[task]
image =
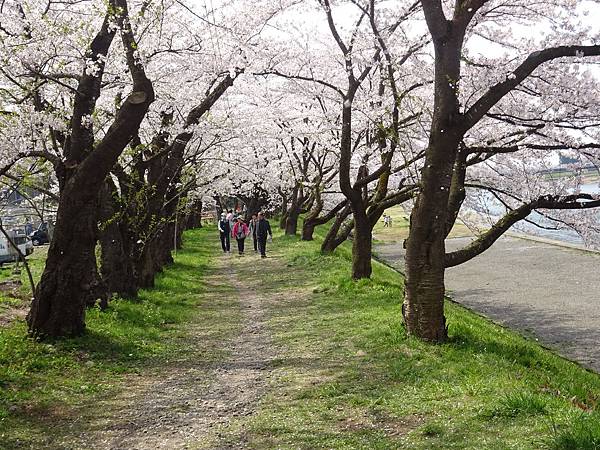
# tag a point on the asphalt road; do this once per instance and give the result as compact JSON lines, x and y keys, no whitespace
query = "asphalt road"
{"x":541,"y":289}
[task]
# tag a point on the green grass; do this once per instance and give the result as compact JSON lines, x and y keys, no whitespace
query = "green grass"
{"x":18,"y":297}
{"x":583,"y":433}
{"x":41,"y":383}
{"x":521,"y":403}
{"x":349,"y":377}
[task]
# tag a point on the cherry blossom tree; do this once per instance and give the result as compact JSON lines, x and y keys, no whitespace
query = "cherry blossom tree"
{"x":477,"y":119}
{"x":70,"y":273}
{"x":154,"y":183}
{"x":370,"y":111}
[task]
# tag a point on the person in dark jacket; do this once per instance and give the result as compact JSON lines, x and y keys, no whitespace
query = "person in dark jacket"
{"x":263,"y":228}
{"x":224,"y":230}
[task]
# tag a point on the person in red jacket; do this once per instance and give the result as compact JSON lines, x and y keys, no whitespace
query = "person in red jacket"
{"x":239,"y":232}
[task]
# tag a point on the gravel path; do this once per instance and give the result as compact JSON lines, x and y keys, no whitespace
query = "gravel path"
{"x":549,"y":291}
{"x":193,"y":403}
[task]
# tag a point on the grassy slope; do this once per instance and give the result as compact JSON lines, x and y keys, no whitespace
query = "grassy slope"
{"x":42,"y":383}
{"x":350,"y":378}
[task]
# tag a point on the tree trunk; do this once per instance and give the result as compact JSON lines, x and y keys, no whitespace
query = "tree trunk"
{"x":425,"y":246}
{"x":361,"y":246}
{"x":313,"y":219}
{"x":328,"y":244}
{"x":291,"y":223}
{"x":283,"y":220}
{"x":425,"y":252}
{"x":70,"y":277}
{"x":284,"y":212}
{"x":164,"y":245}
{"x":255,"y":202}
{"x":423,"y":306}
{"x":308,"y":229}
{"x":194,"y":215}
{"x":145,"y":270}
{"x":218,"y":205}
{"x":179,"y":234}
{"x":338,"y":232}
{"x":115,"y":263}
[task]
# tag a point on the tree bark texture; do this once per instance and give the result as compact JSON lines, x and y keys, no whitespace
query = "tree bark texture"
{"x":425,"y":247}
{"x":194,"y":215}
{"x":116,"y":267}
{"x":362,"y":245}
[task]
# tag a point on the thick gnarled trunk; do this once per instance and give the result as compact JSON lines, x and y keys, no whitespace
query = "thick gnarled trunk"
{"x":423,"y":306}
{"x":70,"y":279}
{"x":308,"y":229}
{"x":425,"y":247}
{"x":294,"y":211}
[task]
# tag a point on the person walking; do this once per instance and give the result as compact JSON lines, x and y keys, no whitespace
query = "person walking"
{"x":252,"y":227}
{"x":28,"y":227}
{"x":385,"y":221}
{"x":239,"y":232}
{"x":231,"y":218}
{"x":263,"y":228}
{"x":224,"y":230}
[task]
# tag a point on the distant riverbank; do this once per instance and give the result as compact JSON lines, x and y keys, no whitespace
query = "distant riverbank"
{"x":564,"y":235}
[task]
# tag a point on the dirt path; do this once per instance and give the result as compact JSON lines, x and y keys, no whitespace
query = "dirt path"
{"x":195,"y":401}
{"x":536,"y":287}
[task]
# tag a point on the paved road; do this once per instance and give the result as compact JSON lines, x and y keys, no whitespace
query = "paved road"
{"x":539,"y":288}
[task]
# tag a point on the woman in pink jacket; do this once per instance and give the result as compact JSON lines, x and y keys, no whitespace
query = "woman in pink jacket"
{"x":239,"y":232}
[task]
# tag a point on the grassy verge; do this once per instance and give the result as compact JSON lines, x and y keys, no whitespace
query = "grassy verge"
{"x":42,"y":383}
{"x":348,"y":377}
{"x":36,"y":264}
{"x":15,"y":289}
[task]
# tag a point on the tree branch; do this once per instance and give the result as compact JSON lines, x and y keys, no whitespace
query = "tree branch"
{"x":533,"y":61}
{"x":485,"y":241}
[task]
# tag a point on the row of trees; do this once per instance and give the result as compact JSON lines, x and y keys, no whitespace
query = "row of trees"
{"x":443,"y":107}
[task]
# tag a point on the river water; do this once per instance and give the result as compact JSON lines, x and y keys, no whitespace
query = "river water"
{"x":565,"y":235}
